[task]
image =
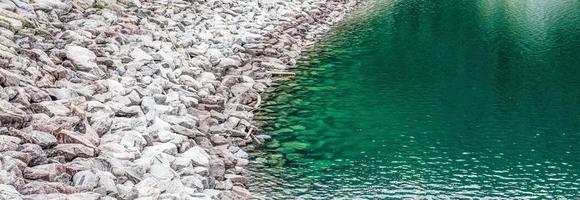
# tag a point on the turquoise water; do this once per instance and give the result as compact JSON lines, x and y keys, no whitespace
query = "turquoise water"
{"x":431,"y":99}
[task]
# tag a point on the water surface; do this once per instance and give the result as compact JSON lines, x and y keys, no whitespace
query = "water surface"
{"x":434,"y":99}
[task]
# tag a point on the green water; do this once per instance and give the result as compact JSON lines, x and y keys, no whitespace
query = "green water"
{"x":431,"y":99}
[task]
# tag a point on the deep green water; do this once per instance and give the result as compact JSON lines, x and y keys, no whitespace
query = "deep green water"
{"x":434,"y":99}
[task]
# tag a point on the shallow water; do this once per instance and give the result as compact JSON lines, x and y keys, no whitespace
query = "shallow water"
{"x":434,"y":99}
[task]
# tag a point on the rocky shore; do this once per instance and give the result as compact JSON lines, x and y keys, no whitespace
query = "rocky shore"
{"x":129,"y":99}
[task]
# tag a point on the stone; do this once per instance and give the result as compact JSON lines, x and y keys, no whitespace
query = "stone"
{"x":48,"y":5}
{"x":42,"y":187}
{"x":106,"y":182}
{"x":144,"y":100}
{"x":85,"y":180}
{"x":11,"y":116}
{"x":38,"y":156}
{"x":217,"y":168}
{"x":51,"y":108}
{"x":133,"y":139}
{"x":217,"y":139}
{"x":242,"y":154}
{"x":140,"y":55}
{"x":71,"y":151}
{"x":197,"y":155}
{"x":181,"y":162}
{"x":9,"y":192}
{"x":45,"y":140}
{"x":83,"y":4}
{"x":147,"y":189}
{"x":9,"y":143}
{"x":84,"y":59}
{"x":162,"y":171}
{"x":237,"y":179}
{"x":193,"y":181}
{"x":242,"y":192}
{"x":85,"y":196}
{"x":168,"y":148}
{"x":48,"y":172}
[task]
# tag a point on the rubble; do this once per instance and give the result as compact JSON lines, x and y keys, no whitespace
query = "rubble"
{"x":141,"y":99}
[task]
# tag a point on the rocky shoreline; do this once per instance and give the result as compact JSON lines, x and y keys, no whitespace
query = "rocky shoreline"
{"x":134,"y":99}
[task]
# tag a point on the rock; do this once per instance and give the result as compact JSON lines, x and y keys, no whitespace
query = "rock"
{"x":38,"y":156}
{"x":147,"y":189}
{"x":71,"y":151}
{"x":213,"y":194}
{"x":48,"y":172}
{"x":217,"y":139}
{"x":237,"y":179}
{"x":45,"y":140}
{"x":162,"y":171}
{"x":85,"y":180}
{"x":242,"y":192}
{"x":85,"y":196}
{"x":144,"y":98}
{"x":197,"y":155}
{"x":83,"y":4}
{"x":133,"y":139}
{"x":42,"y":187}
{"x":9,"y":192}
{"x":241,"y":154}
{"x":226,"y":63}
{"x":217,"y":168}
{"x":224,"y":185}
{"x":194,"y":181}
{"x":84,"y":59}
{"x":9,"y":143}
{"x":106,"y":182}
{"x":177,"y":188}
{"x":168,"y":148}
{"x":140,"y":55}
{"x":51,"y":108}
{"x":11,"y":116}
{"x":48,"y":5}
{"x":11,"y":177}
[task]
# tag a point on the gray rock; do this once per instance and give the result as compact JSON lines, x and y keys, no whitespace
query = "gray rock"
{"x":217,"y":168}
{"x":162,"y":171}
{"x":85,"y":180}
{"x":106,"y":182}
{"x":140,"y":55}
{"x":84,"y":59}
{"x":197,"y":155}
{"x":9,"y":192}
{"x":242,"y":192}
{"x":9,"y":143}
{"x":45,"y":140}
{"x":38,"y":156}
{"x":71,"y":151}
{"x":11,"y":116}
{"x":48,"y":172}
{"x":241,"y":154}
{"x":194,"y":181}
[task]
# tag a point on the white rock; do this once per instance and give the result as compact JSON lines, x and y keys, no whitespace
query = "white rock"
{"x":198,"y":156}
{"x":140,"y":55}
{"x":82,"y":57}
{"x":9,"y":192}
{"x":194,"y":181}
{"x":85,"y":179}
{"x":162,"y":171}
